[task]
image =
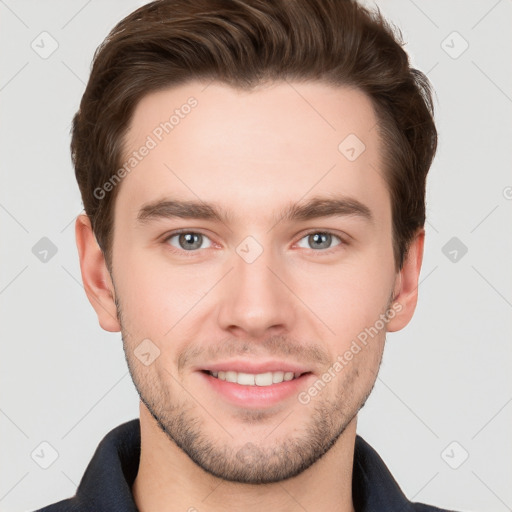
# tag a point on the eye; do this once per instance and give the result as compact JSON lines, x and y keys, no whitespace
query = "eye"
{"x":320,"y":240}
{"x":191,"y":241}
{"x":187,"y":240}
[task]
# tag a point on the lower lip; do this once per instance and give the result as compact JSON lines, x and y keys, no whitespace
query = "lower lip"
{"x":256,"y":396}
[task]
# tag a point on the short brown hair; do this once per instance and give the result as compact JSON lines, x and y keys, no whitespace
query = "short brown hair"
{"x":243,"y":43}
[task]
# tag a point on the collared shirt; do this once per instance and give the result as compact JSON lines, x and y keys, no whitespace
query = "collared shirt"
{"x":107,"y":481}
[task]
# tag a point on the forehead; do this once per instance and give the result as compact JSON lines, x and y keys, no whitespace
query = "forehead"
{"x":251,"y":148}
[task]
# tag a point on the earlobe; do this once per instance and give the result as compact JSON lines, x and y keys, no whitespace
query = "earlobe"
{"x":406,"y":285}
{"x":95,"y":276}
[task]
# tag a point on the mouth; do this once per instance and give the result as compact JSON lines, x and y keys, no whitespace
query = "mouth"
{"x":254,"y":384}
{"x":255,"y":379}
{"x":261,"y":390}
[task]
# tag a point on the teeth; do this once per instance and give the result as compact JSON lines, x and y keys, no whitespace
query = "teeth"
{"x":231,"y":376}
{"x":263,"y":379}
{"x":277,"y":377}
{"x":251,"y":379}
{"x":246,"y":379}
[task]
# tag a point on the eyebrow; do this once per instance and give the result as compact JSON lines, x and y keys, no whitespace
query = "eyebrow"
{"x":317,"y":207}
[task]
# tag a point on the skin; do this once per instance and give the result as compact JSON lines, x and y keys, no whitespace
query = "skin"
{"x":252,"y":153}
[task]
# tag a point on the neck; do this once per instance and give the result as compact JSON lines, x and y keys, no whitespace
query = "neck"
{"x":169,"y":481}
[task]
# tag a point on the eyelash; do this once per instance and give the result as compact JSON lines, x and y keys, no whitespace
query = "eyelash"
{"x":193,"y":253}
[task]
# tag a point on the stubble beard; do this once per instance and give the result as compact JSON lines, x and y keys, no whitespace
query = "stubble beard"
{"x":279,"y":458}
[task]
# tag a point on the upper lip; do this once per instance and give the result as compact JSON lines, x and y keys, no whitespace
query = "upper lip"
{"x":256,"y":367}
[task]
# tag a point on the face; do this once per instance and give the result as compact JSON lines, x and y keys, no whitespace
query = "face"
{"x":284,"y":267}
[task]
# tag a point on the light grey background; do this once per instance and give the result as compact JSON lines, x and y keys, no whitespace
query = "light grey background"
{"x":445,"y":378}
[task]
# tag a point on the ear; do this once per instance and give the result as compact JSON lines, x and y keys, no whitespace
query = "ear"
{"x":95,"y":275}
{"x":406,"y":284}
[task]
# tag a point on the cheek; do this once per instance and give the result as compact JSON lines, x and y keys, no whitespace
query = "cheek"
{"x":155,"y":293}
{"x":348,"y":298}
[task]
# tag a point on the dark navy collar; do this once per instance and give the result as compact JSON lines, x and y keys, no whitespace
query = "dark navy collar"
{"x":107,"y":481}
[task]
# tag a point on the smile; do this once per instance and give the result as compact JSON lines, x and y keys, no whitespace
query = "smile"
{"x":255,"y":379}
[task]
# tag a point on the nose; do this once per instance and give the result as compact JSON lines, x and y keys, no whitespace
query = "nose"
{"x":257,"y":299}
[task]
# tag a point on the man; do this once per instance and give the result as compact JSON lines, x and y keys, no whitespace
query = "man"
{"x":253,"y":176}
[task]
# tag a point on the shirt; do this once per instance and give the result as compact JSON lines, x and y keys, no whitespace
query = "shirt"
{"x":107,"y":481}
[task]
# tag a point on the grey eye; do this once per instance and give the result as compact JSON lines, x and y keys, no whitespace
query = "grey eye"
{"x":320,"y":240}
{"x":188,"y":241}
